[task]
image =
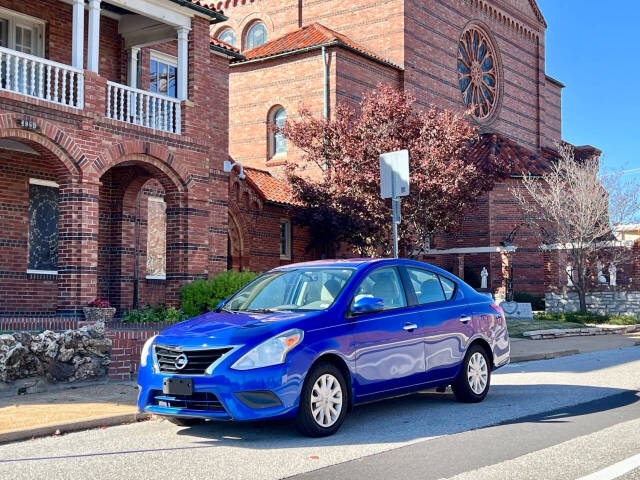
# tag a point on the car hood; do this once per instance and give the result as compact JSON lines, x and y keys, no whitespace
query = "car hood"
{"x":223,"y":328}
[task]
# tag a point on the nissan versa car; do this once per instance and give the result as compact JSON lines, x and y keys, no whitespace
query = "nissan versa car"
{"x":309,"y":341}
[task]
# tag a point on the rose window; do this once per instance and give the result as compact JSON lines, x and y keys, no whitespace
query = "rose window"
{"x":478,"y":72}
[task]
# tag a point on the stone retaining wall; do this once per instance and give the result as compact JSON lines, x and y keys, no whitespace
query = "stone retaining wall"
{"x":623,"y":303}
{"x":69,"y":356}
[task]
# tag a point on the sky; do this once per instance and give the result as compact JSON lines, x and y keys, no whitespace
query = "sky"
{"x":593,"y":48}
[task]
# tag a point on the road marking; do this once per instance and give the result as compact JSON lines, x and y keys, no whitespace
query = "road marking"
{"x":616,"y":470}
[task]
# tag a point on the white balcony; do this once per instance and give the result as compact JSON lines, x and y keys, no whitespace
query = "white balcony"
{"x":40,"y":78}
{"x":139,"y":107}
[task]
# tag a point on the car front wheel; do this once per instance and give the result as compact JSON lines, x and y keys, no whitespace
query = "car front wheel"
{"x":473,"y":381}
{"x":323,"y":402}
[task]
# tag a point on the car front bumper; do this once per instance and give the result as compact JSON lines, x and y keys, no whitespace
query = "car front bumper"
{"x":227,"y":394}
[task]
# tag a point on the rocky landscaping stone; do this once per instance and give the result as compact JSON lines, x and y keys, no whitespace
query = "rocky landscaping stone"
{"x":69,"y":356}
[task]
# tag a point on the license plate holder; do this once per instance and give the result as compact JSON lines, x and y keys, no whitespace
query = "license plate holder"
{"x":177,"y":386}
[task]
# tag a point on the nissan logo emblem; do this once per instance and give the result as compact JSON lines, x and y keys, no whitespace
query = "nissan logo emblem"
{"x":181,"y":361}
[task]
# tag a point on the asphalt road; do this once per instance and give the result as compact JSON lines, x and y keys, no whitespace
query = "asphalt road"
{"x":562,"y":418}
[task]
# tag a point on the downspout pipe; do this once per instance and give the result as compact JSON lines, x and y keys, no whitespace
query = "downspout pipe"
{"x":325,"y":109}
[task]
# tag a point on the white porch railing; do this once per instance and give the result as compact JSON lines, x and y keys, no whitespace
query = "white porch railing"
{"x":40,"y":78}
{"x":139,"y":107}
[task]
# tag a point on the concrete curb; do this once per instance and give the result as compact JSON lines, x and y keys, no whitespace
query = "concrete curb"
{"x":543,"y":356}
{"x":106,"y":421}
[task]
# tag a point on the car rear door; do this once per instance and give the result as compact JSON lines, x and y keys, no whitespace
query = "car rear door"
{"x":388,"y":345}
{"x":445,"y":318}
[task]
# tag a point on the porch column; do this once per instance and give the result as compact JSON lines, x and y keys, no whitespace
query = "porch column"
{"x":93,"y":53}
{"x":132,"y":72}
{"x":77,"y":41}
{"x":183,"y":62}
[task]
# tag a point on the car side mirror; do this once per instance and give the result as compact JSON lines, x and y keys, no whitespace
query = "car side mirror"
{"x":221,"y":304}
{"x":367,"y":305}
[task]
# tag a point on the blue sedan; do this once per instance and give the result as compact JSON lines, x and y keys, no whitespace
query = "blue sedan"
{"x":309,"y":341}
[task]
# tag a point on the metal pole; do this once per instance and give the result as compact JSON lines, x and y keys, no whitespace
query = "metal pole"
{"x":394,"y":213}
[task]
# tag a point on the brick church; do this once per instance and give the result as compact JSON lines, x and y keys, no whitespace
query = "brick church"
{"x":117,"y":117}
{"x":455,"y":54}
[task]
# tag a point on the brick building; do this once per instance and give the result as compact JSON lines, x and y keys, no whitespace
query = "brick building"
{"x":485,"y":54}
{"x":109,"y":110}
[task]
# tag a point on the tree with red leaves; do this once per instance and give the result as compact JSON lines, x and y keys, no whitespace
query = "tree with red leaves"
{"x":344,"y":204}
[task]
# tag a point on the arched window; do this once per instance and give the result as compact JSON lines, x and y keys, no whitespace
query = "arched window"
{"x":228,"y":36}
{"x":256,"y":35}
{"x":277,"y":142}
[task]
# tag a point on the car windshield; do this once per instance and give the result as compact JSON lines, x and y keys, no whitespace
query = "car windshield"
{"x":291,"y":290}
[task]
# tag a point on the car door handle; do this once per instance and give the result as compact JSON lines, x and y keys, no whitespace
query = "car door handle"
{"x":410,"y":327}
{"x":465,"y":318}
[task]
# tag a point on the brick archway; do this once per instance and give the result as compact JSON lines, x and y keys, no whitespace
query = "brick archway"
{"x":124,"y":215}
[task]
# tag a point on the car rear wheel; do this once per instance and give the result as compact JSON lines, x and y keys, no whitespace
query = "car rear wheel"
{"x":323,"y":402}
{"x":185,"y":422}
{"x":474,"y":379}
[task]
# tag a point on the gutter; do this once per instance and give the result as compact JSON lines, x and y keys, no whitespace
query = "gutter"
{"x":225,"y":52}
{"x":217,"y":17}
{"x":335,"y":43}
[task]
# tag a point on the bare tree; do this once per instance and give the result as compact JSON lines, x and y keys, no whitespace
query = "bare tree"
{"x":574,"y":208}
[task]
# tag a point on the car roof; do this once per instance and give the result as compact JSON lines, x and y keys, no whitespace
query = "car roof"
{"x":359,"y":263}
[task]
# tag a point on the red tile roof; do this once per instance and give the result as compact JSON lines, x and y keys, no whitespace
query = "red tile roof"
{"x":218,"y":44}
{"x":203,"y":5}
{"x":510,"y":152}
{"x":268,"y":187}
{"x":309,"y":36}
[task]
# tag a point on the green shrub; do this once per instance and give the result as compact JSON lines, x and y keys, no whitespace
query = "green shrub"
{"x":156,"y":314}
{"x":203,"y":296}
{"x":583,"y":318}
{"x":537,"y":303}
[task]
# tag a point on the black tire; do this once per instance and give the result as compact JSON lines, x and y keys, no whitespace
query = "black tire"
{"x":305,"y":421}
{"x":461,"y":387}
{"x":185,"y":422}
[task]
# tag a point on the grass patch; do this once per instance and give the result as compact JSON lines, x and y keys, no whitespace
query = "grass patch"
{"x":518,"y":327}
{"x":548,"y":321}
{"x":584,"y":318}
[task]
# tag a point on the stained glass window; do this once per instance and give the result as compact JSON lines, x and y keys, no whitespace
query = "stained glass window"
{"x":478,"y":72}
{"x":43,"y":227}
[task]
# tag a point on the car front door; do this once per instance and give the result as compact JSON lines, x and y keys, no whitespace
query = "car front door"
{"x":388,"y":346}
{"x":446,"y":322}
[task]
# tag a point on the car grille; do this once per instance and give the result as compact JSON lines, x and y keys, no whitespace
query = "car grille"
{"x":197,"y":360}
{"x":197,"y":401}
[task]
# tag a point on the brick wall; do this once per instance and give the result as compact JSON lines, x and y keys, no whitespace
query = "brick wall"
{"x":102,"y":165}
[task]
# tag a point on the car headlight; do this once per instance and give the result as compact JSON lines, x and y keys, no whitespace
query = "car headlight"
{"x":270,"y":352}
{"x":144,"y":356}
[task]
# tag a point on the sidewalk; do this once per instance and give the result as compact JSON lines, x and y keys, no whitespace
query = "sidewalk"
{"x":76,"y":408}
{"x":523,"y":350}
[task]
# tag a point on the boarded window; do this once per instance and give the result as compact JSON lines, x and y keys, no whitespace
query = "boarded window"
{"x":43,"y":226}
{"x":157,"y":238}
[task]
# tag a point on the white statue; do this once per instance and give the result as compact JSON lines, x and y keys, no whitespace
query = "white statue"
{"x":484,"y":274}
{"x":601,"y":278}
{"x":569,"y":271}
{"x":612,"y":275}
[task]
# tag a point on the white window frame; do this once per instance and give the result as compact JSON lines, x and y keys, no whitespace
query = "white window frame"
{"x":287,"y":254}
{"x":273,"y":155}
{"x":44,"y":183}
{"x":170,"y":60}
{"x":37,"y":24}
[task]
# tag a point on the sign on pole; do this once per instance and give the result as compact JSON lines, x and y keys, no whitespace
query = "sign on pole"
{"x":394,"y":174}
{"x":394,"y":183}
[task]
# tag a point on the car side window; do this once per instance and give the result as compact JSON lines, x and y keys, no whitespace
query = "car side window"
{"x":383,"y":283}
{"x":426,"y":286}
{"x":449,"y":287}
